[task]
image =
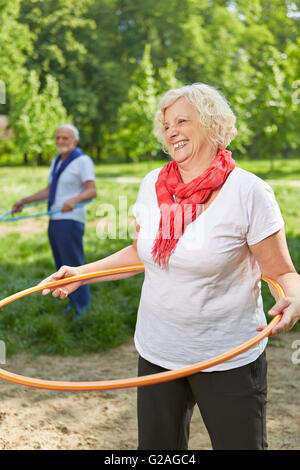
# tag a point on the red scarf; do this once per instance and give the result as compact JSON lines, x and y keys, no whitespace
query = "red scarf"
{"x":175,"y":216}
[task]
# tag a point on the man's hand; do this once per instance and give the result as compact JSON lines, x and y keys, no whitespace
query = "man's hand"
{"x":69,"y":205}
{"x":18,"y":206}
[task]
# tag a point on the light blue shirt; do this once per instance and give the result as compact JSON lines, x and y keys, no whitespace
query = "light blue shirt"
{"x":71,"y":183}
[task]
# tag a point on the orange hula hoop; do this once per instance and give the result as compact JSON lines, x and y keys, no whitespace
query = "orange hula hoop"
{"x":135,"y":381}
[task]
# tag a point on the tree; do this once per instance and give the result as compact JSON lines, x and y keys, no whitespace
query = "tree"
{"x":94,"y":49}
{"x":35,"y":115}
{"x":15,"y":44}
{"x":134,"y":138}
{"x":34,"y":112}
{"x":78,"y":42}
{"x":270,"y":41}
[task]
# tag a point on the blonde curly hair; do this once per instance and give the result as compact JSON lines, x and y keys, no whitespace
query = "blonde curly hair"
{"x":215,"y":114}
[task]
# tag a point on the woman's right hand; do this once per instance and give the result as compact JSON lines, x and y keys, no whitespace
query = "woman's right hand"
{"x":62,"y":291}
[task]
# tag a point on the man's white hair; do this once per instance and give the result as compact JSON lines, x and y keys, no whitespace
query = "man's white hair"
{"x":71,"y":128}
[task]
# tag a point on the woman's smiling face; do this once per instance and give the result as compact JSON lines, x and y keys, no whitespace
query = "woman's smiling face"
{"x":184,"y":136}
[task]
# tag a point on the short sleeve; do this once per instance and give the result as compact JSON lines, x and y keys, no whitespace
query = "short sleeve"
{"x":87,"y":169}
{"x":264,"y":215}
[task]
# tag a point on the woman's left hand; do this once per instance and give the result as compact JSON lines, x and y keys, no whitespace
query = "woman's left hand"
{"x":290,"y":309}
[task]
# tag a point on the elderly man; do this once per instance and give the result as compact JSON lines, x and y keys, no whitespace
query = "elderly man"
{"x":71,"y":181}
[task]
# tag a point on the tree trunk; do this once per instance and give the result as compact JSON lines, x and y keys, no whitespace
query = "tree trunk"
{"x":40,"y":159}
{"x":98,"y":153}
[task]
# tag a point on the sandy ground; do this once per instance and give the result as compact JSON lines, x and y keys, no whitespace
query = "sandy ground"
{"x":106,"y":420}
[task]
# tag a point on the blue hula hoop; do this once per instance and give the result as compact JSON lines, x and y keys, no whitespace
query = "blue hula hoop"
{"x":4,"y":218}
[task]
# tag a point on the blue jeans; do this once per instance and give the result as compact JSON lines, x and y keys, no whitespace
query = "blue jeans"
{"x":66,"y":240}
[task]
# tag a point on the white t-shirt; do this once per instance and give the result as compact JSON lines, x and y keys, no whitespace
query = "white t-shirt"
{"x":70,"y":183}
{"x":208,"y":300}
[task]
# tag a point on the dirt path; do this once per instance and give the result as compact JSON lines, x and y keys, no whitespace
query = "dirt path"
{"x":41,"y":419}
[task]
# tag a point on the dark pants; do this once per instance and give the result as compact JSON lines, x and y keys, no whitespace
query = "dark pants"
{"x":66,"y":240}
{"x":232,"y":404}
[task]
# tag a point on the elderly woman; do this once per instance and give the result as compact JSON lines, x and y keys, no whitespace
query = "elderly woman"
{"x":205,"y":232}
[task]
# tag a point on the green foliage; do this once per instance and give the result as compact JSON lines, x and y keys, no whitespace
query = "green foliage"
{"x":34,"y":112}
{"x":15,"y":43}
{"x":134,"y":139}
{"x":35,"y":116}
{"x":97,"y":53}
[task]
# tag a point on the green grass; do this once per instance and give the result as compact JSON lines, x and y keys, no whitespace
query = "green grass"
{"x":281,"y":169}
{"x":36,"y":324}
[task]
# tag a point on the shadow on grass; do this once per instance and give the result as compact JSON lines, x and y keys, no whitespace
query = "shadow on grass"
{"x":279,"y":174}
